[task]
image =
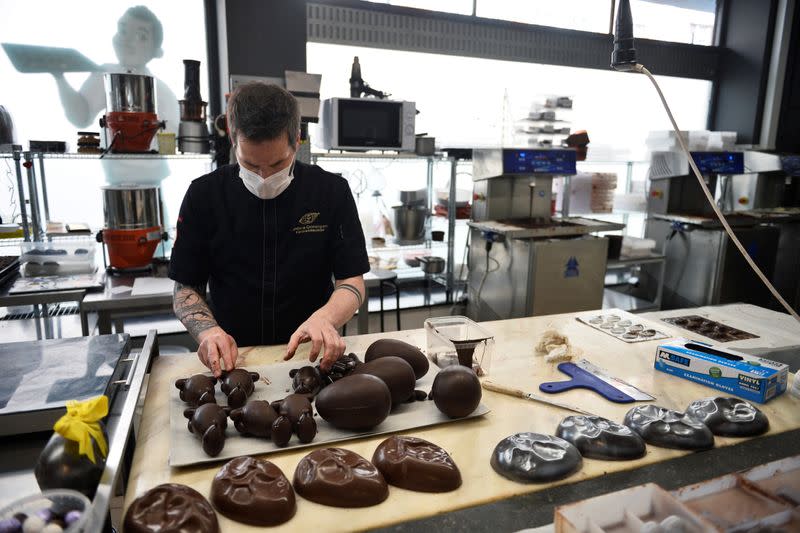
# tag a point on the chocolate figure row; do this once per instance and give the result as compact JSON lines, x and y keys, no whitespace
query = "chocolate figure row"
{"x":237,"y":384}
{"x":256,"y":492}
{"x":277,"y":421}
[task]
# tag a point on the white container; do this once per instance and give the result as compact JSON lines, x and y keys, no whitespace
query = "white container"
{"x":59,"y":501}
{"x":453,"y":340}
{"x":58,"y":252}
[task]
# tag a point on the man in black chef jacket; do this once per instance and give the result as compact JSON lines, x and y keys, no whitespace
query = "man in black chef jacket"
{"x":278,"y":242}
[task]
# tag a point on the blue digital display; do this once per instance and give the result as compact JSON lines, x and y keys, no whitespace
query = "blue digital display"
{"x":719,"y":162}
{"x":530,"y":161}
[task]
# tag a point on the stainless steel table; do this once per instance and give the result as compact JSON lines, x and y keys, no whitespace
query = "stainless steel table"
{"x":18,"y":454}
{"x":116,"y":301}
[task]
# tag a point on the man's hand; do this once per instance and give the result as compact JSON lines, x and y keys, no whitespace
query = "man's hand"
{"x":216,"y":346}
{"x":324,"y":338}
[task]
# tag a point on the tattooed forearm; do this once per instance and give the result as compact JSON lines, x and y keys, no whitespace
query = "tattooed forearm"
{"x":190,"y":307}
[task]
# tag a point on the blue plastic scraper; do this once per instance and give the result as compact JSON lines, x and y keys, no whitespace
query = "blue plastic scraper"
{"x":587,"y":376}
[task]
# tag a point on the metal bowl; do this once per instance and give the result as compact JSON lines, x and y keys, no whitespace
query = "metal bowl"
{"x":432,"y":265}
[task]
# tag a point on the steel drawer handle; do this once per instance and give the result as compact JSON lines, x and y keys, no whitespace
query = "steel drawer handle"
{"x":133,"y":361}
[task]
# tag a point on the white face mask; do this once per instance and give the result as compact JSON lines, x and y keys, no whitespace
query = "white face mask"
{"x":270,"y":187}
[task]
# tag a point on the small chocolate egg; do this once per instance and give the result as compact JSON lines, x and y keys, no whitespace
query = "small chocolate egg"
{"x":456,"y":391}
{"x":356,"y":402}
{"x":393,"y":347}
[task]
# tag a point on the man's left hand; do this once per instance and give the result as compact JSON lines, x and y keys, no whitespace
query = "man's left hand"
{"x":324,"y":339}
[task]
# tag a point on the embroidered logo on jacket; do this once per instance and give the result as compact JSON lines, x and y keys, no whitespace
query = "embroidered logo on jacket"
{"x":306,"y":224}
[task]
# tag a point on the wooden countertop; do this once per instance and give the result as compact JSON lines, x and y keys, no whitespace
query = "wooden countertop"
{"x":469,"y":442}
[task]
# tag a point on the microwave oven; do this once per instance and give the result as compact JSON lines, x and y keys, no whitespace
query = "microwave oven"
{"x":367,"y":124}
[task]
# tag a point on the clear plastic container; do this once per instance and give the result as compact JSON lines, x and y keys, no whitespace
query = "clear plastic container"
{"x":58,"y":252}
{"x":456,"y":340}
{"x":58,"y":502}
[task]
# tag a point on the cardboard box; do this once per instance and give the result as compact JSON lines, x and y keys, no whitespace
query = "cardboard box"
{"x":747,"y":376}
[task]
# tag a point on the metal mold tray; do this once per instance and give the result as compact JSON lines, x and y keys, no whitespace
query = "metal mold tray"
{"x":709,"y":328}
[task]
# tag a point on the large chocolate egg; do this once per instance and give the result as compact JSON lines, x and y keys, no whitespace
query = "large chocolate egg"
{"x":356,"y":402}
{"x":392,"y":347}
{"x":456,"y":391}
{"x":253,"y":491}
{"x":339,"y":478}
{"x":395,"y":372}
{"x":171,"y":507}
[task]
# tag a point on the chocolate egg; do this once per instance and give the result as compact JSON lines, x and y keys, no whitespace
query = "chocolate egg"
{"x":208,"y":422}
{"x":357,"y":402}
{"x":170,"y":507}
{"x":395,"y":372}
{"x":340,"y":478}
{"x":456,"y":391}
{"x":238,"y":385}
{"x":197,"y":390}
{"x":254,"y":419}
{"x":416,"y":464}
{"x":392,"y":347}
{"x":253,"y":491}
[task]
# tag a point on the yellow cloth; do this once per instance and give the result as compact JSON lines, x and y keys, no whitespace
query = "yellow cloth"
{"x":82,"y":424}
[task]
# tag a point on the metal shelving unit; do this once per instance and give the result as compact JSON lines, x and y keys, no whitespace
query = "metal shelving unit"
{"x":34,"y":222}
{"x":451,"y":207}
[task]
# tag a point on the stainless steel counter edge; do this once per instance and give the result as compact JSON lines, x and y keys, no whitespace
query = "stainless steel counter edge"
{"x":119,"y":426}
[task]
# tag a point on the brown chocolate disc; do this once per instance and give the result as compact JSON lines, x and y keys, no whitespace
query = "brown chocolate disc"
{"x":171,"y":507}
{"x":416,"y":464}
{"x":253,"y":491}
{"x":339,"y":478}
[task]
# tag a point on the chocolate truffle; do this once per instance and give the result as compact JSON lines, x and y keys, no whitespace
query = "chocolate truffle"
{"x":296,"y":408}
{"x":599,"y":438}
{"x":669,"y":429}
{"x":729,"y":417}
{"x":395,"y":372}
{"x":355,"y":402}
{"x":208,"y":422}
{"x":306,"y":380}
{"x":171,"y":507}
{"x":339,"y":478}
{"x":238,"y":384}
{"x":535,"y":458}
{"x":254,"y":419}
{"x":253,"y":491}
{"x":416,"y":464}
{"x":392,"y":347}
{"x":456,"y":391}
{"x":197,"y":390}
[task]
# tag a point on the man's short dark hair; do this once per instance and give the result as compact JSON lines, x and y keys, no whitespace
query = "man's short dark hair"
{"x":143,"y":13}
{"x":260,"y":112}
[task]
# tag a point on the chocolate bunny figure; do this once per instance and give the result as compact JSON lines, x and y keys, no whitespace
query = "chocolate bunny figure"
{"x":238,"y":385}
{"x":208,"y":422}
{"x":295,"y":415}
{"x":306,"y":380}
{"x":197,"y":390}
{"x":255,"y":419}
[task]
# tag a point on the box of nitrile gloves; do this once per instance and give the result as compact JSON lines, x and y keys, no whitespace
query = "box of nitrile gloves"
{"x":747,"y":376}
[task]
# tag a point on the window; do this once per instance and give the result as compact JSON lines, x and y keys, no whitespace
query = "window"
{"x":585,"y":15}
{"x":681,"y":21}
{"x":35,"y":104}
{"x":460,"y":7}
{"x":479,"y":102}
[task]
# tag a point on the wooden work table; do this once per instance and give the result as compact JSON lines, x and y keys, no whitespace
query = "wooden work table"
{"x":469,"y":442}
